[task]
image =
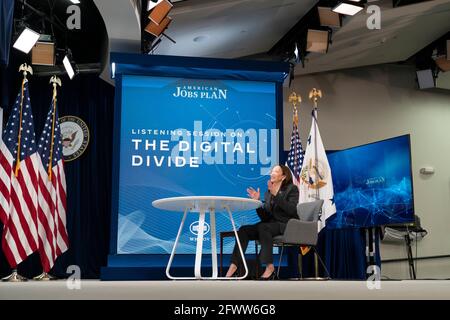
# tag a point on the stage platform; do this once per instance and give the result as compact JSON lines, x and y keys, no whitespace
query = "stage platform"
{"x":228,"y":290}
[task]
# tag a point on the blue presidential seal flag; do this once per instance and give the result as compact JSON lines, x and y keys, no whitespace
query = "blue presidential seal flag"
{"x":75,"y":137}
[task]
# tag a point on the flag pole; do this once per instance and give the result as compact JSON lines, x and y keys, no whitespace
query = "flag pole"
{"x":54,"y":81}
{"x":315,"y":95}
{"x":296,"y":99}
{"x":25,"y":69}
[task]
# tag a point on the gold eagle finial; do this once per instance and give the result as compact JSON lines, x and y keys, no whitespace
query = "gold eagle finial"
{"x":26,"y":69}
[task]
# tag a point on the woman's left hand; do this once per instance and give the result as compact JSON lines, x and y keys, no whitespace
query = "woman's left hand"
{"x":273,"y":189}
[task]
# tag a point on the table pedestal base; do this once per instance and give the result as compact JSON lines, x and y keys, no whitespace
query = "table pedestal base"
{"x":198,"y":255}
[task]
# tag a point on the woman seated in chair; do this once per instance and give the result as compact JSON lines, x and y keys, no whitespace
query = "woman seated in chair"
{"x":280,"y":205}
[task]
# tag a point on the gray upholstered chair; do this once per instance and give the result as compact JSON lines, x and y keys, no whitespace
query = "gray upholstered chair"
{"x":301,"y":232}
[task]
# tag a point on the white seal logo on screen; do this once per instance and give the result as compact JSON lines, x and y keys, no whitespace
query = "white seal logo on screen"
{"x":194,"y":228}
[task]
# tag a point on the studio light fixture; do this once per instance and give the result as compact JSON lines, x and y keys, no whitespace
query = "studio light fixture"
{"x":157,"y":29}
{"x":26,"y":40}
{"x":426,"y":79}
{"x":329,"y":18}
{"x":347,"y":8}
{"x":68,"y":66}
{"x":442,"y":63}
{"x":159,"y":22}
{"x":160,"y":12}
{"x":43,"y":53}
{"x":152,"y":3}
{"x":159,"y":19}
{"x":317,"y":41}
{"x":75,"y":1}
{"x":296,"y":54}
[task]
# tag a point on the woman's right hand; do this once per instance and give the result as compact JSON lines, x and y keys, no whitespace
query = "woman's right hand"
{"x":254,"y":194}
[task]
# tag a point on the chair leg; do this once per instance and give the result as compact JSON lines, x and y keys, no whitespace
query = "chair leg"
{"x":300,"y":265}
{"x":321,"y":262}
{"x":279,"y":261}
{"x":256,"y":261}
{"x":221,"y":254}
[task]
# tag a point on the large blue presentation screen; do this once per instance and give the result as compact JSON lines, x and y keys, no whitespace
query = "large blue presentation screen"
{"x":185,"y":137}
{"x":372,"y":184}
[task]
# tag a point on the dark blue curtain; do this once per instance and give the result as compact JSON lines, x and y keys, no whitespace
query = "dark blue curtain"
{"x":343,"y":252}
{"x":6,"y":22}
{"x":88,"y":177}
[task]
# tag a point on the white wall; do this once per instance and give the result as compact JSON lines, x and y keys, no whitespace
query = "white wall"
{"x":368,"y":104}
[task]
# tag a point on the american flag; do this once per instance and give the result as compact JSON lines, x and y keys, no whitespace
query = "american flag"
{"x":295,"y":156}
{"x":18,"y":182}
{"x":53,"y":239}
{"x":295,"y":160}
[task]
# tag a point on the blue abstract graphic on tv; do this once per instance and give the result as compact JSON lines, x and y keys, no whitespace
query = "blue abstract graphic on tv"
{"x":372,"y":184}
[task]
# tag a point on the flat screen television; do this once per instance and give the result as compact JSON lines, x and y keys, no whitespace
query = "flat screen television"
{"x":373,"y":184}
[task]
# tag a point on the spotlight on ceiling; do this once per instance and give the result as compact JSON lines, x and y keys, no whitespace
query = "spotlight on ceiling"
{"x":159,"y":19}
{"x":426,"y":79}
{"x":152,"y":3}
{"x":442,"y":63}
{"x":160,"y":12}
{"x":26,"y":40}
{"x":157,"y":29}
{"x":317,"y":41}
{"x":75,"y":1}
{"x":68,"y":66}
{"x":329,"y":18}
{"x":43,"y":53}
{"x":296,"y":54}
{"x":347,"y":8}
